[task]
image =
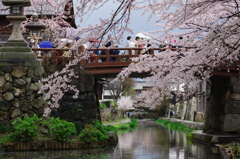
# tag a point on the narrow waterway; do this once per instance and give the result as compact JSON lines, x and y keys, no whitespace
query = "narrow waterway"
{"x":148,"y":141}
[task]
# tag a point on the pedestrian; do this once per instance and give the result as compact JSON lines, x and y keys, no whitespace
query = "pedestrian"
{"x":171,"y":114}
{"x":128,"y":114}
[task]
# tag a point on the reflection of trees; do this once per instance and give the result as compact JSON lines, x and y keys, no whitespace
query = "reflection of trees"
{"x":149,"y":140}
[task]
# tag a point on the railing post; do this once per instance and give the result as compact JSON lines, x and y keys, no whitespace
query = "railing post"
{"x":129,"y":55}
{"x":108,"y":55}
{"x":151,"y":52}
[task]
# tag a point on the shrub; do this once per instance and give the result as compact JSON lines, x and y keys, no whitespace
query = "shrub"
{"x":61,"y":128}
{"x":102,"y":105}
{"x":91,"y":134}
{"x":133,"y":123}
{"x":78,"y":127}
{"x":100,"y":127}
{"x":122,"y":126}
{"x":9,"y":138}
{"x":6,"y":129}
{"x":110,"y":128}
{"x":27,"y":128}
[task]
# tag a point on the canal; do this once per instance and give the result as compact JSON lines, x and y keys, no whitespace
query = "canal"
{"x":148,"y":141}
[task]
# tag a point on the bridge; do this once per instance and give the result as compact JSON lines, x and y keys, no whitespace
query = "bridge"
{"x":110,"y":68}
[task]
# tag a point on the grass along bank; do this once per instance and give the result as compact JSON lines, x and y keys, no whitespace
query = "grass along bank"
{"x":174,"y":126}
{"x":121,"y":126}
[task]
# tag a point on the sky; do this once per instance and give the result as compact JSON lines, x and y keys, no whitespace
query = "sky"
{"x":138,"y":23}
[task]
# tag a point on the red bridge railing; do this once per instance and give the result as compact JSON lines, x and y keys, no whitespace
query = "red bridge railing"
{"x":109,"y":63}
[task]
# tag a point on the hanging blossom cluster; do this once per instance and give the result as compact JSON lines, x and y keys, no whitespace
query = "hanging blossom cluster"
{"x":125,"y":103}
{"x":55,"y":85}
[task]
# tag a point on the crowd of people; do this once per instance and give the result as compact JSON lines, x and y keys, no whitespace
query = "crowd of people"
{"x":138,"y":43}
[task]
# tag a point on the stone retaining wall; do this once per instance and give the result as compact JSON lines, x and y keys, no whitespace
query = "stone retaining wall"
{"x":19,"y":92}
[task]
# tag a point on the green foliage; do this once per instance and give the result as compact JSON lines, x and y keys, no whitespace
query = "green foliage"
{"x":6,"y":129}
{"x":13,"y":137}
{"x":112,"y":103}
{"x":100,"y":127}
{"x":122,"y":126}
{"x":174,"y":126}
{"x":110,"y":128}
{"x":133,"y":123}
{"x":102,"y":105}
{"x":61,"y":128}
{"x":27,"y":128}
{"x":125,"y":127}
{"x":78,"y":127}
{"x":91,"y":134}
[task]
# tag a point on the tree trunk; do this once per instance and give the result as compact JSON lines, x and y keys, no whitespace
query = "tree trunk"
{"x":216,"y":104}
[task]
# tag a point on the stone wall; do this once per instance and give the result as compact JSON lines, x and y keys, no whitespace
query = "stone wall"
{"x":18,"y":94}
{"x":109,"y":114}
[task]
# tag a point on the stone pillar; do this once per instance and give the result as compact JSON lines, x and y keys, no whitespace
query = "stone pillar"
{"x":231,"y":122}
{"x":20,"y":72}
{"x":223,"y":106}
{"x":216,"y":104}
{"x":85,"y":108}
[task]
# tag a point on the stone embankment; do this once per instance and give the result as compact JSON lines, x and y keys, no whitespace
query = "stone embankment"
{"x":187,"y":123}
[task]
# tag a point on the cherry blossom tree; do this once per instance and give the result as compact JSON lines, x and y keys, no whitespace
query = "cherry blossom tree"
{"x":125,"y":103}
{"x":205,"y":32}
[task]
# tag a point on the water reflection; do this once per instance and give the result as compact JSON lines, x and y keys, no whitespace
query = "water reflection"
{"x":148,"y":141}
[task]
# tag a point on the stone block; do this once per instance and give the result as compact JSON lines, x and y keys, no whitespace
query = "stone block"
{"x":6,"y":69}
{"x":20,"y":81}
{"x":235,"y":97}
{"x":7,"y":87}
{"x":33,"y":87}
{"x":17,"y":92}
{"x":4,"y":106}
{"x":2,"y":81}
{"x":231,"y":123}
{"x":4,"y":116}
{"x":30,"y":72}
{"x":16,"y":103}
{"x":232,"y":107}
{"x":16,"y":112}
{"x":28,"y":80}
{"x":67,"y":115}
{"x":19,"y":71}
{"x":8,"y":77}
{"x":8,"y":96}
{"x":36,"y":79}
{"x":235,"y":85}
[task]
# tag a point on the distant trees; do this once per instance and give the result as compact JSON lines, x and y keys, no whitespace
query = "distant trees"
{"x":120,"y":88}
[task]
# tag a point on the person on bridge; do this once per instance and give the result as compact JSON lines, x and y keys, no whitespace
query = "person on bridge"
{"x":103,"y":52}
{"x":114,"y":52}
{"x":130,"y":43}
{"x":137,"y":44}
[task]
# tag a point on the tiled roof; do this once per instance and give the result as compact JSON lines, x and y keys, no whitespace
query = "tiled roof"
{"x":47,"y":9}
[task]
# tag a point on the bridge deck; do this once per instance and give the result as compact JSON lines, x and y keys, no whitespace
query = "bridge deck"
{"x":99,"y":67}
